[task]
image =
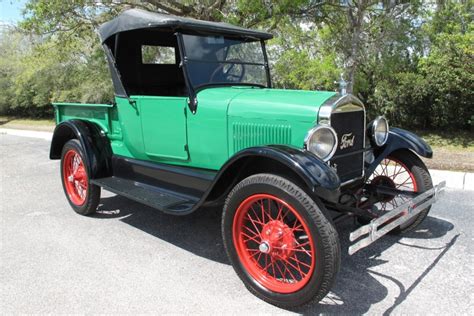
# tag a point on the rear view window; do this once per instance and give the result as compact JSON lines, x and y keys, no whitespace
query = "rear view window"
{"x":158,"y":55}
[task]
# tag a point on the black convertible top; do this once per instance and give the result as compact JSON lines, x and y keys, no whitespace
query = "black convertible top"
{"x":134,"y":19}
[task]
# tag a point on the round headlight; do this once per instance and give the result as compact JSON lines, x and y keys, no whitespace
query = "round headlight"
{"x":321,"y":141}
{"x":380,"y":131}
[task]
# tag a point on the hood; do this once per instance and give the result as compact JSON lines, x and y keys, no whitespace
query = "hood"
{"x":256,"y":116}
{"x":278,"y":104}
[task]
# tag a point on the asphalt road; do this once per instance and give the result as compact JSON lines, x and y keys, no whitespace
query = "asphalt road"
{"x":132,"y":259}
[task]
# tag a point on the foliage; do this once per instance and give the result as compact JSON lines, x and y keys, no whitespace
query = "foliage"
{"x":409,"y":60}
{"x":436,"y":88}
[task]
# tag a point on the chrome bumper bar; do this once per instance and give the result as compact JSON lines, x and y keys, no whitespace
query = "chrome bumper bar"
{"x":394,"y":218}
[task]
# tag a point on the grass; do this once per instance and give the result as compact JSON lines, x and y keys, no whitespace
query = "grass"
{"x":26,"y":123}
{"x":449,"y":141}
{"x":451,"y":150}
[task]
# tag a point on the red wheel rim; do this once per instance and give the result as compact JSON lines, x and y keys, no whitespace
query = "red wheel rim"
{"x":274,"y":243}
{"x":400,"y":177}
{"x":75,"y":177}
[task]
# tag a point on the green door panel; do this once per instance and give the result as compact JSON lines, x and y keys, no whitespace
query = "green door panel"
{"x":207,"y":128}
{"x":164,"y":126}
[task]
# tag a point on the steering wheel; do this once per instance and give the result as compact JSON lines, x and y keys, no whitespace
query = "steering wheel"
{"x":227,"y":72}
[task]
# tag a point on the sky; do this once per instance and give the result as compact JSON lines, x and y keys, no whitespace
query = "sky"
{"x":10,"y":10}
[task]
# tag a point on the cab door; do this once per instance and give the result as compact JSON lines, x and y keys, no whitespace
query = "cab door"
{"x":162,"y":101}
{"x":164,"y":127}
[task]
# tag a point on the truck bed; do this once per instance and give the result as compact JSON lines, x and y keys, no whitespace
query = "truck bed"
{"x":104,"y":115}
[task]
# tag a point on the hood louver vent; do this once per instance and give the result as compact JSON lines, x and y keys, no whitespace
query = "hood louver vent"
{"x":254,"y":134}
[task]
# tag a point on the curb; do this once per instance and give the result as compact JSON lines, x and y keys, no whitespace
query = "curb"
{"x":454,"y":179}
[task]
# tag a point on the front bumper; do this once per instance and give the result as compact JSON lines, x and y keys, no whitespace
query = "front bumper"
{"x":393,"y":218}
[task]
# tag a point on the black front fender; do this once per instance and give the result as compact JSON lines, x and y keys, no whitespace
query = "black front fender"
{"x":318,"y":177}
{"x":400,"y":139}
{"x":95,"y":144}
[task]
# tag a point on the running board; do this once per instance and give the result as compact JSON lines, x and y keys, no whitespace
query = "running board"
{"x":158,"y":198}
{"x":394,"y":218}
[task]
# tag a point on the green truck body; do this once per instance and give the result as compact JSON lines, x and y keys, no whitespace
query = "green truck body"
{"x":229,"y":119}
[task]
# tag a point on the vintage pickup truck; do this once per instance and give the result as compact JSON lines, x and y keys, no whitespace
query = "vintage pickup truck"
{"x":196,"y":122}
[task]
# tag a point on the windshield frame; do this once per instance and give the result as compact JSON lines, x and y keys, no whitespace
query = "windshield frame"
{"x":193,"y":90}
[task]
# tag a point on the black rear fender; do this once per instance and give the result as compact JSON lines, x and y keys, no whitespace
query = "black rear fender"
{"x":94,"y":142}
{"x":302,"y":167}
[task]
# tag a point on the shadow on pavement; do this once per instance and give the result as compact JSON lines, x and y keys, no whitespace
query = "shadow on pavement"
{"x":198,"y":233}
{"x":355,"y":290}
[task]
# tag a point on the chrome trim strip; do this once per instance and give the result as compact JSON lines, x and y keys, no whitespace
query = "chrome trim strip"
{"x":391,"y":220}
{"x":353,"y":180}
{"x":335,"y":102}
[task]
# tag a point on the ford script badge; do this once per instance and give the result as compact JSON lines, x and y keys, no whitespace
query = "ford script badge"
{"x":347,"y":140}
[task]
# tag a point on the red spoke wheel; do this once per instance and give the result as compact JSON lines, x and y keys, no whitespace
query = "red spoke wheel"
{"x":401,"y":170}
{"x":274,"y":243}
{"x":81,"y":194}
{"x":279,"y":241}
{"x":75,"y":177}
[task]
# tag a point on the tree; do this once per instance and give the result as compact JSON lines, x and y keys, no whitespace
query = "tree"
{"x":355,"y":30}
{"x":402,"y":58}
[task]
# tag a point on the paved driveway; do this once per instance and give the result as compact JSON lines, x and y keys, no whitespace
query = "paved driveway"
{"x":132,"y":259}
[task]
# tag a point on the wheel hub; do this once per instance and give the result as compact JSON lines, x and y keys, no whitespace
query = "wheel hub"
{"x":386,"y":182}
{"x":278,"y":240}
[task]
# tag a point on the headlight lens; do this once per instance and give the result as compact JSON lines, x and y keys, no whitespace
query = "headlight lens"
{"x":321,"y":141}
{"x":380,"y":131}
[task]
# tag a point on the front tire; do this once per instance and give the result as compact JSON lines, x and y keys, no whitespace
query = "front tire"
{"x":82,"y":195}
{"x":402,"y":170}
{"x":279,"y":241}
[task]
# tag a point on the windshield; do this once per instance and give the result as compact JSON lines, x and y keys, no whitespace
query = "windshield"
{"x":218,"y":60}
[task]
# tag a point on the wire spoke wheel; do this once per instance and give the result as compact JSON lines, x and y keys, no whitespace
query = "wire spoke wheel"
{"x":82,"y":195}
{"x":401,"y":170}
{"x":75,"y":177}
{"x":279,"y":240}
{"x":394,"y":174}
{"x":274,"y":243}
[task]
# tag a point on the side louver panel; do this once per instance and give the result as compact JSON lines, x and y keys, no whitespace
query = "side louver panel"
{"x":254,"y":134}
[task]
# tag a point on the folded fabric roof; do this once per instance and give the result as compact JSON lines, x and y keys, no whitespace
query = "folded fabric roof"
{"x":134,"y":19}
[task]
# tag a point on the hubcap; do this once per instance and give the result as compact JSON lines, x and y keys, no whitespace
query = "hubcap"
{"x":264,"y":247}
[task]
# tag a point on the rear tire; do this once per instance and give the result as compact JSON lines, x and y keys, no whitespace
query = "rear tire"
{"x":290,"y":235}
{"x":82,"y":195}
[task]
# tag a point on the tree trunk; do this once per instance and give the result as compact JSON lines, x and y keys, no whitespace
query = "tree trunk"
{"x":355,"y":17}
